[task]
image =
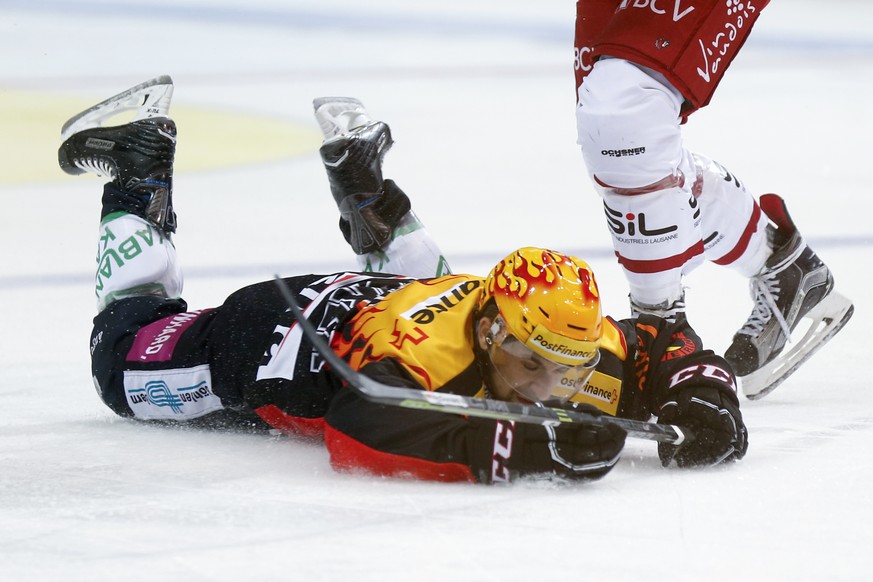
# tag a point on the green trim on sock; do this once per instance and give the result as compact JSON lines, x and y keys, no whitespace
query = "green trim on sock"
{"x":113,"y":215}
{"x":147,"y":290}
{"x":406,"y":229}
{"x":443,"y":267}
{"x":382,"y":258}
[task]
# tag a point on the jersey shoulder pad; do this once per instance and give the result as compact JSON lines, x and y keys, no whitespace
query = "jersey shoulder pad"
{"x":613,"y":339}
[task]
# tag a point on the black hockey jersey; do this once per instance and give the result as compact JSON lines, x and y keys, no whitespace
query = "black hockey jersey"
{"x":247,"y":362}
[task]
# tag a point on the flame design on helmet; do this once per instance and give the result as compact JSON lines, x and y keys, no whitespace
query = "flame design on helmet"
{"x":539,"y":289}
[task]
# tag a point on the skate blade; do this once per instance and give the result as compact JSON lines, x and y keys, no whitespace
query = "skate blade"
{"x":149,"y":99}
{"x":827,"y":318}
{"x":339,"y":115}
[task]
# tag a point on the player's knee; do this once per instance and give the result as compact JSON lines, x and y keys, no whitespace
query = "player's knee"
{"x":629,"y":126}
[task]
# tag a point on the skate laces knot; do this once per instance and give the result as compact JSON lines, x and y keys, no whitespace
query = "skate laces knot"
{"x":765,"y":290}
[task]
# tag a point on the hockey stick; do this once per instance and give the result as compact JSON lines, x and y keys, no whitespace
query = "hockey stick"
{"x":380,"y":393}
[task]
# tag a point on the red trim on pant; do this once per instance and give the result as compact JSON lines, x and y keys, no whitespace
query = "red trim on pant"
{"x":348,"y":454}
{"x":660,"y":265}
{"x":676,"y":180}
{"x":296,"y":425}
{"x":742,"y":244}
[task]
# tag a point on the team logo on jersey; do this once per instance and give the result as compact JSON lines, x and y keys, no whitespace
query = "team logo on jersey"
{"x":177,"y":394}
{"x":722,"y":43}
{"x":678,"y":12}
{"x":157,"y":341}
{"x":582,"y":59}
{"x":158,"y":393}
{"x":602,"y":391}
{"x":609,"y":396}
{"x":426,"y":311}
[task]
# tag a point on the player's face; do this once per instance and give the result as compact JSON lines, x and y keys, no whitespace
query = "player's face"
{"x":517,"y":374}
{"x":523,"y":377}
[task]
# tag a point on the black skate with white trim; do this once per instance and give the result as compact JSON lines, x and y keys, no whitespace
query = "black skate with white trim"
{"x":794,"y":286}
{"x":352,"y":153}
{"x":137,"y":157}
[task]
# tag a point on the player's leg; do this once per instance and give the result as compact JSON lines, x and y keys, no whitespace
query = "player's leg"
{"x":628,"y":120}
{"x":706,"y":207}
{"x":149,"y":356}
{"x":135,"y":253}
{"x":732,"y":223}
{"x":623,"y":118}
{"x":376,"y":217}
{"x":628,"y":123}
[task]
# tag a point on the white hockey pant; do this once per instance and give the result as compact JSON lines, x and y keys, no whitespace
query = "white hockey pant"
{"x":667,"y":209}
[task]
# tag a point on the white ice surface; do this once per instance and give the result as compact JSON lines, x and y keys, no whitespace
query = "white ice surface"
{"x":480,"y":99}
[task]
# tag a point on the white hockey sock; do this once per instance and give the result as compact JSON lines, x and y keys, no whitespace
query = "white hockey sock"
{"x":412,"y":252}
{"x":731,"y":221}
{"x":134,"y":258}
{"x":656,"y":239}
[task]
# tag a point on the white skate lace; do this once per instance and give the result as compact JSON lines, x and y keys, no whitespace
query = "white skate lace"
{"x":765,"y":290}
{"x":97,"y":166}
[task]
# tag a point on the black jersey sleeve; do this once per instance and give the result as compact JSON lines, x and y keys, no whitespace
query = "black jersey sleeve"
{"x":683,"y":383}
{"x":667,"y":354}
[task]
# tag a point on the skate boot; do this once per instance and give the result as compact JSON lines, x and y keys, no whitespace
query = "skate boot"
{"x":370,"y":207}
{"x":137,"y":157}
{"x":794,"y":285}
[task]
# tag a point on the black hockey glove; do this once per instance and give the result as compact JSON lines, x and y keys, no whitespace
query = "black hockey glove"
{"x":575,"y":451}
{"x":712,"y":413}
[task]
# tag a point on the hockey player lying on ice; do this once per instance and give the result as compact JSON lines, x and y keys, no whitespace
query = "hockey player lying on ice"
{"x":531,"y":331}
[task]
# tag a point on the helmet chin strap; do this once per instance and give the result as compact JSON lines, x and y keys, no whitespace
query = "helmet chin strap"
{"x":483,"y":358}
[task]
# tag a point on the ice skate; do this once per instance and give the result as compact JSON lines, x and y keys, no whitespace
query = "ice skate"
{"x":794,"y":286}
{"x":339,"y":115}
{"x":137,"y":156}
{"x":370,"y":207}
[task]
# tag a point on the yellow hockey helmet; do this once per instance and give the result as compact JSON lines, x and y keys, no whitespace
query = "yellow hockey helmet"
{"x":549,"y":302}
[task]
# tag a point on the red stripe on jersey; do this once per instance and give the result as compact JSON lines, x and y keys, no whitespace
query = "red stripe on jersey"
{"x":348,"y":454}
{"x":742,"y":244}
{"x":660,"y":265}
{"x":295,"y":425}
